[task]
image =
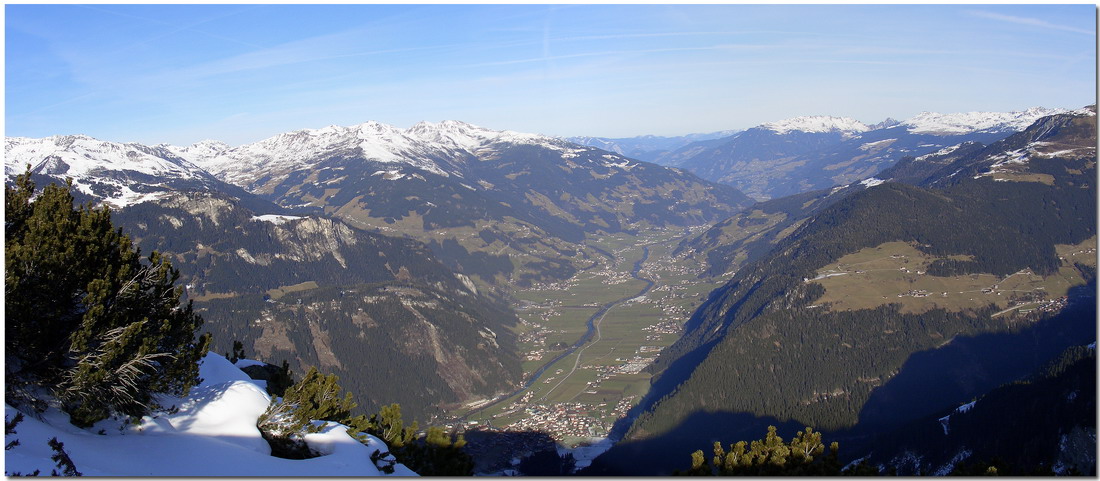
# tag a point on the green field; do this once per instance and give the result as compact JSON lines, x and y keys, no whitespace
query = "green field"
{"x":894,"y":272}
{"x":279,"y":292}
{"x":581,"y":395}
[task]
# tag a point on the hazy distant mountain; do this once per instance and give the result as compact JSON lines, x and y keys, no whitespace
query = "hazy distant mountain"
{"x":801,"y":154}
{"x":650,"y":148}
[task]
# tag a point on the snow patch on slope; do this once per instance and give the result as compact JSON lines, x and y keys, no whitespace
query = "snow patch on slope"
{"x":584,"y":454}
{"x":871,"y":182}
{"x":1015,"y":159}
{"x":877,"y":145}
{"x":943,"y":151}
{"x":946,"y":420}
{"x":950,"y":465}
{"x":276,"y":219}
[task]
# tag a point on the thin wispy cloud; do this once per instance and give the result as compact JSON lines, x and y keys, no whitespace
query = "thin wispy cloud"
{"x":175,"y":28}
{"x":622,"y":53}
{"x":1030,"y":21}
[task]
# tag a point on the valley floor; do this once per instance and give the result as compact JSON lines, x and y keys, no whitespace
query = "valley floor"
{"x":636,"y":304}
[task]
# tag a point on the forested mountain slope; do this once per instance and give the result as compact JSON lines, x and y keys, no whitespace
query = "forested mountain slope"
{"x":992,"y":242}
{"x":318,"y":292}
{"x":1043,"y":424}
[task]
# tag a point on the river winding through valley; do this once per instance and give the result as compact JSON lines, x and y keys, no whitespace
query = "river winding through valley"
{"x":593,"y":331}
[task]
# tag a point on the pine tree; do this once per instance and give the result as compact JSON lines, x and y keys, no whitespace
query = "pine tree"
{"x":68,"y":468}
{"x":281,"y":380}
{"x":85,"y":317}
{"x":315,"y":398}
{"x":238,"y":352}
{"x":772,"y":457}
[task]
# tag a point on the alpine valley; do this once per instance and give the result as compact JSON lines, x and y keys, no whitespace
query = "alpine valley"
{"x":902,"y":287}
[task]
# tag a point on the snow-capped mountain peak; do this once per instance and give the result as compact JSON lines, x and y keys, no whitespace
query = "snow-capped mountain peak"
{"x":452,"y":133}
{"x":471,"y":137}
{"x":420,"y":146}
{"x":885,"y":124}
{"x":76,"y":155}
{"x":817,"y":124}
{"x":968,"y":122}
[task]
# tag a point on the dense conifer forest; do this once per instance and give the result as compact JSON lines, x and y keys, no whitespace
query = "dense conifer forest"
{"x":87,"y":320}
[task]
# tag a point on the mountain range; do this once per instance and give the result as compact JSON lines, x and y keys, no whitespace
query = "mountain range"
{"x":867,"y":290}
{"x":336,"y":239}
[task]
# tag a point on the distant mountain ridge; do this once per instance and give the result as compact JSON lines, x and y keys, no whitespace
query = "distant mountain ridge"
{"x":970,"y":122}
{"x":650,"y":148}
{"x":797,"y":155}
{"x":817,"y":124}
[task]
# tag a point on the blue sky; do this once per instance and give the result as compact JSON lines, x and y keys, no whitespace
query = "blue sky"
{"x":240,"y":73}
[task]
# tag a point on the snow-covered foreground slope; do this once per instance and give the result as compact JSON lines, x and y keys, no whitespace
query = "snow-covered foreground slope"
{"x":213,"y":434}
